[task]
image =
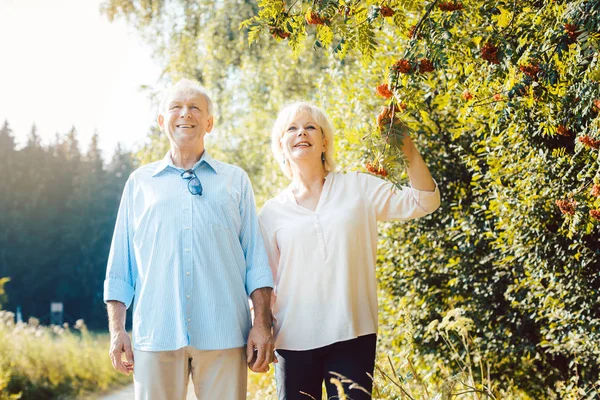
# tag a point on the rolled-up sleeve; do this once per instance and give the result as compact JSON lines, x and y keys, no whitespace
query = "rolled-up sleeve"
{"x":121,"y":268}
{"x":258,"y":273}
{"x":392,"y":203}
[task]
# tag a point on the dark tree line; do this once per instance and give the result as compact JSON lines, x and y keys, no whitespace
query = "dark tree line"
{"x":57,"y":212}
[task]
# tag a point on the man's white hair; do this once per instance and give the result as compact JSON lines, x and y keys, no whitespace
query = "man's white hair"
{"x":185,"y":86}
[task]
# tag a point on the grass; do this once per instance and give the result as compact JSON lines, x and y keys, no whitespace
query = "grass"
{"x":39,"y":362}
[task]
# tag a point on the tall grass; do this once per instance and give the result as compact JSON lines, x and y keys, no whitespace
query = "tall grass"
{"x":39,"y":362}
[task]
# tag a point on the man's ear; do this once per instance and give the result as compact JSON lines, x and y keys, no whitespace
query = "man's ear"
{"x":161,"y":121}
{"x":209,"y":126}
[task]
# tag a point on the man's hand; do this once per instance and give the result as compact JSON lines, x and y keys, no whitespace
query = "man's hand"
{"x":119,"y":344}
{"x":260,"y":348}
{"x":119,"y":339}
{"x":261,"y":343}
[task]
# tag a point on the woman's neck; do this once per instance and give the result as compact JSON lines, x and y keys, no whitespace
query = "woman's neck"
{"x":308,"y":179}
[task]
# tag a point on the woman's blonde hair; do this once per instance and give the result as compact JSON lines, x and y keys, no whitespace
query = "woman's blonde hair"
{"x":285,"y":118}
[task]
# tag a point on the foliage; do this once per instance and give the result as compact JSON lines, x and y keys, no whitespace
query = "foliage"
{"x":57,"y":214}
{"x":502,"y":96}
{"x":38,"y":362}
{"x":502,"y":100}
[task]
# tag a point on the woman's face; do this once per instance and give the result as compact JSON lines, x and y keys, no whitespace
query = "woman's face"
{"x":303,"y":139}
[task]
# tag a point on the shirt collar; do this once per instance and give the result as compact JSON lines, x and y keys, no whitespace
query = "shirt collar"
{"x":168,"y":162}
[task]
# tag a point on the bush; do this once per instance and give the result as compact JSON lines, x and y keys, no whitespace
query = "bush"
{"x":38,"y":362}
{"x":503,"y":99}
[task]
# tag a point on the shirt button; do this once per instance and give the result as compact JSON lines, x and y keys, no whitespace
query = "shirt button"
{"x":188,"y":273}
{"x":186,"y":208}
{"x":187,"y":250}
{"x":187,"y":228}
{"x":189,"y":319}
{"x":188,"y":296}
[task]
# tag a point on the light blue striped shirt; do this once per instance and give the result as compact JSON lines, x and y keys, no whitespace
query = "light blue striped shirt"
{"x":188,"y":262}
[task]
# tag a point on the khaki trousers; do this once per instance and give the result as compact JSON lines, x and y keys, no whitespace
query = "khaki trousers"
{"x":216,"y":374}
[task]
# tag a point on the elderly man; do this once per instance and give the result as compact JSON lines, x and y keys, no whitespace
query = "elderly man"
{"x":188,"y":251}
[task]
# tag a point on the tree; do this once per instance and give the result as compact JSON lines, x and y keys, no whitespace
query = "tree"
{"x":502,"y":99}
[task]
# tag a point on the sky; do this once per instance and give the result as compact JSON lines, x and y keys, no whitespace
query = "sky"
{"x":63,"y":64}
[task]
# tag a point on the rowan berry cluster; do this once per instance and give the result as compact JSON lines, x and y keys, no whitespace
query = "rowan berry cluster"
{"x":595,"y":214}
{"x":466,"y":95}
{"x":563,"y":131}
{"x":489,"y":53}
{"x":376,"y":169}
{"x":403,"y":66}
{"x":313,"y":18}
{"x":573,"y":31}
{"x":567,"y":206}
{"x":531,"y":70}
{"x":386,"y":11}
{"x":597,"y":103}
{"x":450,"y":6}
{"x":596,"y":190}
{"x":425,"y":65}
{"x":589,"y":142}
{"x":279,"y":33}
{"x":383,"y":90}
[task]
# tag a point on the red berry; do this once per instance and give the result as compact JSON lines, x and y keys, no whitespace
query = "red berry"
{"x":572,"y":31}
{"x":563,"y":131}
{"x":450,"y":6}
{"x":425,"y":65}
{"x":531,"y":70}
{"x":567,"y":206}
{"x":279,"y":33}
{"x":384,"y":91}
{"x":589,"y":142}
{"x":386,"y":11}
{"x":489,"y":53}
{"x":313,"y":18}
{"x":403,"y":66}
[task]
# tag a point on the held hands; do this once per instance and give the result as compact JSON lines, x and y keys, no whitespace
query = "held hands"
{"x":260,"y":348}
{"x":119,"y":344}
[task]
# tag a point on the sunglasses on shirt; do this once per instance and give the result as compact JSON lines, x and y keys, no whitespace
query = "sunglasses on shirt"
{"x":194,"y":185}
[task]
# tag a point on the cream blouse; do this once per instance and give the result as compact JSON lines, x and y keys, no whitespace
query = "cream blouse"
{"x":323,"y":261}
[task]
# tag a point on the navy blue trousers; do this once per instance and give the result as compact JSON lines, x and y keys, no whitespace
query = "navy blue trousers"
{"x":300,"y":374}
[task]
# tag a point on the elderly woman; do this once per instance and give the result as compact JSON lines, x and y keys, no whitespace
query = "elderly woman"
{"x":321,"y":238}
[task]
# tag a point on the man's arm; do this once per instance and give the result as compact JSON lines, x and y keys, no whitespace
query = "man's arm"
{"x":119,"y":283}
{"x":119,"y":339}
{"x":259,"y":282}
{"x":261,"y":334}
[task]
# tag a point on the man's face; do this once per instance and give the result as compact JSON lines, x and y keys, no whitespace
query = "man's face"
{"x":185,"y":119}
